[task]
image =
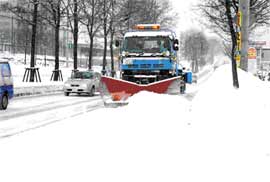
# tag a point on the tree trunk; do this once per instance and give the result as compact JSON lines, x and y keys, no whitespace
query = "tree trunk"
{"x":90,"y":52}
{"x":105,"y":37}
{"x":25,"y":50}
{"x":91,"y":36}
{"x":33,"y":41}
{"x":75,"y":35}
{"x":112,"y":31}
{"x":104,"y":63}
{"x":57,"y":30}
{"x":233,"y":37}
{"x":112,"y":58}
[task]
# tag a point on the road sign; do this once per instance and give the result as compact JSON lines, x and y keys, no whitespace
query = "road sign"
{"x":239,"y":41}
{"x":238,"y":59}
{"x":239,"y":18}
{"x":252,"y":53}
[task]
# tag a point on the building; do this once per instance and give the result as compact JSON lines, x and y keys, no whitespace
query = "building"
{"x":261,"y":41}
{"x":7,"y":27}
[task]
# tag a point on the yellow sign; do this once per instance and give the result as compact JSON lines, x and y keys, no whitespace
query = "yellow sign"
{"x":239,"y":18}
{"x":239,"y":41}
{"x":252,"y":53}
{"x":238,"y":59}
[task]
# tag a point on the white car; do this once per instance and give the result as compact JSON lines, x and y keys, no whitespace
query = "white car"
{"x":82,"y":82}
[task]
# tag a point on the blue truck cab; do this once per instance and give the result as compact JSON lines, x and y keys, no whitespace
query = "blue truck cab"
{"x":6,"y":84}
{"x":149,"y":54}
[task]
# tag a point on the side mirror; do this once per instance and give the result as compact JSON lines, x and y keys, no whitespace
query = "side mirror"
{"x":117,"y":43}
{"x":176,"y":45}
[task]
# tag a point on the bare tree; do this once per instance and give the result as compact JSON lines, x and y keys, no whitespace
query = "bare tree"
{"x":106,"y":7}
{"x":33,"y":40}
{"x":31,"y":17}
{"x":229,"y":5}
{"x":112,"y":27}
{"x":73,"y":17}
{"x":224,"y":23}
{"x":91,"y":19}
{"x":151,"y":11}
{"x":214,"y":10}
{"x":55,"y":12}
{"x":194,"y":47}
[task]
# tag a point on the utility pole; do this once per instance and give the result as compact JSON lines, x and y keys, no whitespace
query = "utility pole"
{"x":244,"y":8}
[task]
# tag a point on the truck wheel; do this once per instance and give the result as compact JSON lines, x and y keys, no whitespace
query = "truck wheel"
{"x":4,"y":102}
{"x":66,"y":93}
{"x":183,"y":88}
{"x":92,"y":92}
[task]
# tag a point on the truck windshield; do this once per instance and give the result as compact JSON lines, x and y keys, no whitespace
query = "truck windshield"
{"x":146,"y":44}
{"x":82,"y":75}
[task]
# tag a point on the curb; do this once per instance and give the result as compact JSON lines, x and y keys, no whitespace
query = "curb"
{"x":37,"y":90}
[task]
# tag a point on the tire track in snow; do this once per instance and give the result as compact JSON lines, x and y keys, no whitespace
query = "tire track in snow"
{"x":31,"y":125}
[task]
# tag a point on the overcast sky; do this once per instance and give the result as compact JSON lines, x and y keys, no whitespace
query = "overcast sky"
{"x":187,"y":18}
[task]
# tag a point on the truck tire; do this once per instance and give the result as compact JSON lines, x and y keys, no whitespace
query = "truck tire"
{"x":66,"y":93}
{"x":4,"y":102}
{"x":183,"y":88}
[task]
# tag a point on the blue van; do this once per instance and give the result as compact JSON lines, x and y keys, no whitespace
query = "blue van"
{"x":6,"y":84}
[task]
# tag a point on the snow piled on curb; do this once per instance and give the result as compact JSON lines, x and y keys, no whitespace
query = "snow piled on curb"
{"x":37,"y":90}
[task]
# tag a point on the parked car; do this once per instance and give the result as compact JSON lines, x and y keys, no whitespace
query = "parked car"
{"x":82,"y":82}
{"x":6,"y":84}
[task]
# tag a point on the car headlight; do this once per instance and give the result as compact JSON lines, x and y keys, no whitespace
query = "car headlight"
{"x":84,"y":85}
{"x":67,"y":85}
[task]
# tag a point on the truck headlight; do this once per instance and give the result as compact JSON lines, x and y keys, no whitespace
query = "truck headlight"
{"x":124,"y":53}
{"x":127,"y":61}
{"x":168,"y":53}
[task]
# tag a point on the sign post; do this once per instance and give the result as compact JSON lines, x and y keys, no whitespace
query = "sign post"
{"x":238,"y":38}
{"x":252,"y":60}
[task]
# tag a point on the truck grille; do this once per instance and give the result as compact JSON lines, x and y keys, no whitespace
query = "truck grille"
{"x":133,"y":66}
{"x":145,"y":65}
{"x":158,"y":65}
{"x":72,"y":85}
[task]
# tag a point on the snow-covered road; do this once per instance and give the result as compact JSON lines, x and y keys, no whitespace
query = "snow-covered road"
{"x":32,"y":112}
{"x":27,"y":113}
{"x":214,"y":133}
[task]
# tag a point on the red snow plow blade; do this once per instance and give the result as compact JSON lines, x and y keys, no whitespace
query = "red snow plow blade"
{"x":118,"y":91}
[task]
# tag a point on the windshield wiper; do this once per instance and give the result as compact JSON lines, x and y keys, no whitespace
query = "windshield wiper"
{"x":141,"y":53}
{"x":156,"y":54}
{"x":135,"y":53}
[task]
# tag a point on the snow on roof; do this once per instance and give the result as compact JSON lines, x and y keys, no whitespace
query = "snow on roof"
{"x":3,"y":61}
{"x":148,"y":33}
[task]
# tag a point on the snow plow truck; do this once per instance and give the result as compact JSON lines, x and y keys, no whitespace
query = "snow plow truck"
{"x":148,"y":62}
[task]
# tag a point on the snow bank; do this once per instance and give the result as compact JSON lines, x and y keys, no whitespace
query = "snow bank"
{"x":222,"y":135}
{"x":231,"y":128}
